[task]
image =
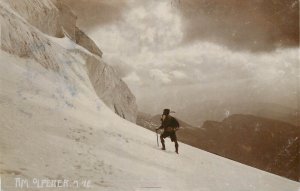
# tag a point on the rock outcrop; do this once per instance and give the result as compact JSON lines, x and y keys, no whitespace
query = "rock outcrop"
{"x":83,"y":40}
{"x":19,"y":37}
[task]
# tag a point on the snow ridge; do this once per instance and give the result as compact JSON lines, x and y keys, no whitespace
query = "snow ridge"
{"x":20,"y":38}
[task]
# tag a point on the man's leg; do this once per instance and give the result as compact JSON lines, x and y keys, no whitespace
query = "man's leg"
{"x":174,"y":139}
{"x":176,"y":146}
{"x":162,"y":136}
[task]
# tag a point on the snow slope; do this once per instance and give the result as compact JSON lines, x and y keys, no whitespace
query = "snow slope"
{"x":46,"y":132}
{"x":53,"y":125}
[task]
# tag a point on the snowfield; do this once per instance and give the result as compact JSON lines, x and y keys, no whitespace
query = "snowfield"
{"x":54,"y":126}
{"x":48,"y":131}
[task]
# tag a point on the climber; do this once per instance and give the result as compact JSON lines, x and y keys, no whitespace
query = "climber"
{"x":170,"y":126}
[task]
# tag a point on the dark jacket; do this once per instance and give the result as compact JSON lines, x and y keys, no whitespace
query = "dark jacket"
{"x":169,"y":124}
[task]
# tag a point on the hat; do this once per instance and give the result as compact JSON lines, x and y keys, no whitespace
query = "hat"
{"x":166,"y":112}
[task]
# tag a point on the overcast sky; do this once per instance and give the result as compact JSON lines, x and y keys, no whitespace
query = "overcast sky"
{"x":174,"y":53}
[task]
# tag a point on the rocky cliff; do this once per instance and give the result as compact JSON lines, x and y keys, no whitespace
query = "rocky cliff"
{"x":25,"y":32}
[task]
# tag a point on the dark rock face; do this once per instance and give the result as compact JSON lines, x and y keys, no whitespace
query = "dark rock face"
{"x":263,"y":143}
{"x":266,"y":144}
{"x":83,"y":40}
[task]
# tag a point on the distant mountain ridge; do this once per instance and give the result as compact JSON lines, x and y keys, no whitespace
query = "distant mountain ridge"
{"x":215,"y":110}
{"x":267,"y":144}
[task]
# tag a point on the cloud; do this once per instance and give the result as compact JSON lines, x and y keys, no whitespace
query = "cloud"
{"x":165,"y":65}
{"x":160,"y":76}
{"x":217,"y":73}
{"x":133,"y":78}
{"x":178,"y":74}
{"x":123,"y":69}
{"x":249,"y":25}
